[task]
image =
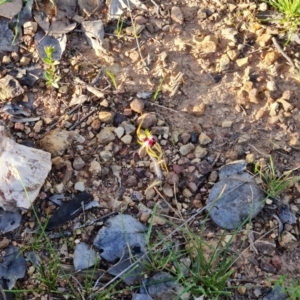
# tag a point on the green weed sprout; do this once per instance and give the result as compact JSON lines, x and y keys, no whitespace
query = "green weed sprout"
{"x":158,"y":90}
{"x":151,"y":147}
{"x":119,"y":28}
{"x":112,"y":78}
{"x":52,"y":79}
{"x":274,"y":184}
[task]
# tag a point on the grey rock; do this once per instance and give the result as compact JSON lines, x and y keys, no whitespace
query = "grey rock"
{"x":9,"y":88}
{"x":78,"y":163}
{"x":9,"y":220}
{"x":116,"y":7}
{"x":106,"y":135}
{"x":126,"y":139}
{"x":94,"y":32}
{"x":118,"y":233}
{"x":204,"y":139}
{"x":84,"y":256}
{"x":186,"y":149}
{"x":276,"y":293}
{"x":137,"y":105}
{"x":128,"y":127}
{"x":235,"y":197}
{"x":265,"y":247}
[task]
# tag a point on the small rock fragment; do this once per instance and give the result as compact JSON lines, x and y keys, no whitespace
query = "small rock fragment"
{"x":176,"y":15}
{"x":106,"y":135}
{"x":242,"y":62}
{"x":57,"y":141}
{"x":148,"y":120}
{"x":208,"y":45}
{"x":9,"y":88}
{"x":200,"y":152}
{"x":204,"y":139}
{"x":287,"y":240}
{"x":79,"y":186}
{"x":264,"y":40}
{"x":227,"y":124}
{"x":137,"y":105}
{"x":271,"y":57}
{"x":24,"y":61}
{"x":126,"y":139}
{"x":95,"y":167}
{"x":106,"y":116}
{"x":119,"y":132}
{"x":224,"y":63}
{"x":185,"y":149}
{"x":78,"y":163}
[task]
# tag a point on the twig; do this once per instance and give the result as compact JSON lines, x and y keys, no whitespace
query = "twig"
{"x":81,"y":120}
{"x":277,"y":46}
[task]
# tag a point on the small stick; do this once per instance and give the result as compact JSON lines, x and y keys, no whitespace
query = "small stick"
{"x":81,"y":120}
{"x":277,"y":46}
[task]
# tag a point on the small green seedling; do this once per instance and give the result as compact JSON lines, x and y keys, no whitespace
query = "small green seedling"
{"x":112,"y":78}
{"x":52,"y":79}
{"x":119,"y":28}
{"x":158,"y":90}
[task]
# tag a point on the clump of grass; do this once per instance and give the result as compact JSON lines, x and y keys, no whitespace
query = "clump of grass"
{"x":292,"y":289}
{"x":200,"y":268}
{"x":273,"y":183}
{"x":51,"y":76}
{"x":290,"y":10}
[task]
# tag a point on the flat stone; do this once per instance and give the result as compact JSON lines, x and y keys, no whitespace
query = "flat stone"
{"x":137,"y":105}
{"x":63,"y":89}
{"x":106,"y":116}
{"x":9,"y":88}
{"x":227,"y":124}
{"x":59,"y":188}
{"x":200,"y":152}
{"x":235,"y":197}
{"x":186,"y":149}
{"x":23,"y":170}
{"x":57,"y":141}
{"x":176,"y":15}
{"x":79,"y":186}
{"x":271,"y":86}
{"x":128,"y":127}
{"x":96,"y":124}
{"x":242,"y":62}
{"x":126,"y":139}
{"x":204,"y":139}
{"x":106,"y":135}
{"x":106,"y":155}
{"x":119,"y":132}
{"x":265,"y":247}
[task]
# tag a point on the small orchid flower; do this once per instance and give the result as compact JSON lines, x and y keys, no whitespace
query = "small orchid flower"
{"x":151,"y":146}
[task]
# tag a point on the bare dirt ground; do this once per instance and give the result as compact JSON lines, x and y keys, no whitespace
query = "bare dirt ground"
{"x":221,"y":75}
